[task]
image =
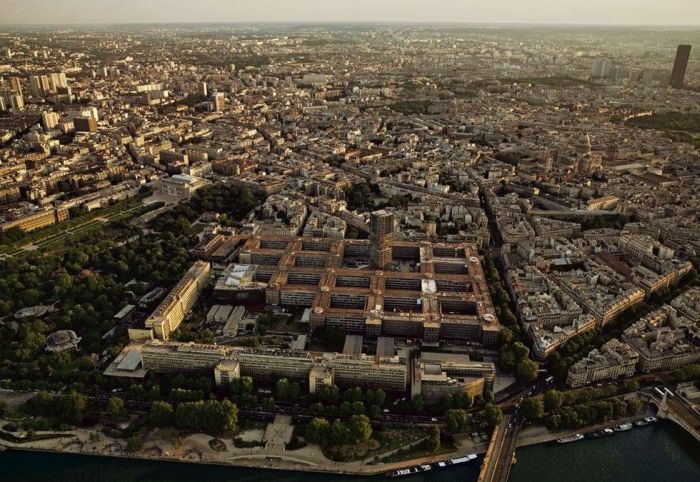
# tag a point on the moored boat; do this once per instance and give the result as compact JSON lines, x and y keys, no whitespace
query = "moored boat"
{"x":456,"y":461}
{"x":410,"y":471}
{"x":573,"y":438}
{"x":623,"y":427}
{"x":398,"y":473}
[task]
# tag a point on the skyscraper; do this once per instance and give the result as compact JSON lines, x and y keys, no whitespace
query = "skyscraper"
{"x":219,"y":101}
{"x":40,"y":84}
{"x":15,"y":85}
{"x":682,"y":55}
{"x":381,"y":225}
{"x":601,"y":68}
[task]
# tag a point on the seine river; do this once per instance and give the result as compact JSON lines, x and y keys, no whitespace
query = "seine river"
{"x":662,"y":452}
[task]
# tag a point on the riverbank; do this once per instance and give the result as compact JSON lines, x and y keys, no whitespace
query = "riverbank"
{"x":660,"y":451}
{"x":538,"y":434}
{"x":170,"y":446}
{"x":167,"y":446}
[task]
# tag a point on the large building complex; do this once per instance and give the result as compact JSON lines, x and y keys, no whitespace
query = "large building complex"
{"x":433,"y":377}
{"x":436,"y":290}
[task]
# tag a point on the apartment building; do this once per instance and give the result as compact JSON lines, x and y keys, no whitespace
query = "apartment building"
{"x":37,"y":220}
{"x":172,"y":310}
{"x":614,"y":360}
{"x":664,"y":340}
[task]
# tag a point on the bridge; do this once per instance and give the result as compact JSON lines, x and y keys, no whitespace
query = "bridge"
{"x":499,"y":455}
{"x":677,"y":409}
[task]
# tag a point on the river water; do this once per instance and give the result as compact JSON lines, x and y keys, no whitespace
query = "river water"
{"x":660,"y":452}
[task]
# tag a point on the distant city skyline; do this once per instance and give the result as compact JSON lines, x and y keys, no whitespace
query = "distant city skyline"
{"x":592,"y":12}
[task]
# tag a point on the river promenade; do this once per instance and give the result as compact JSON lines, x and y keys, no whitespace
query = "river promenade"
{"x":195,"y":448}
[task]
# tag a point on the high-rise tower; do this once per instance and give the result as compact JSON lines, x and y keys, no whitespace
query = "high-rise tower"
{"x":682,"y":56}
{"x":381,"y":226}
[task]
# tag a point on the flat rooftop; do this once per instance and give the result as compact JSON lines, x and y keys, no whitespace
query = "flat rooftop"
{"x":127,"y":364}
{"x":385,"y":346}
{"x":353,"y":345}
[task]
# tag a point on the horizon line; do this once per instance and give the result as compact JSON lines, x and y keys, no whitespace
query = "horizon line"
{"x":349,"y":22}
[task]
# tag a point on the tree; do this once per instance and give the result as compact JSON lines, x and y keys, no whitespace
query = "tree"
{"x":507,"y":358}
{"x":632,"y":386}
{"x":161,"y":414}
{"x":116,"y":409}
{"x":358,"y":408}
{"x":282,"y":388}
{"x":268,"y":404}
{"x":358,"y":196}
{"x":526,"y":371}
{"x":360,"y":429}
{"x":457,"y":420}
{"x":493,"y":414}
{"x":434,"y":439}
{"x":339,"y":434}
{"x":242,"y":386}
{"x":462,"y":400}
{"x":318,"y":431}
{"x":329,"y":393}
{"x":553,"y":399}
{"x":136,"y":391}
{"x":294,"y":390}
{"x":520,"y":351}
{"x":506,"y":337}
{"x":134,"y":443}
{"x":266,"y":320}
{"x":205,"y":336}
{"x":553,"y":422}
{"x":508,"y":318}
{"x":532,"y":408}
{"x":72,"y":407}
{"x":316,"y":409}
{"x":379,"y":397}
{"x":633,"y":406}
{"x":211,"y":416}
{"x":353,"y":394}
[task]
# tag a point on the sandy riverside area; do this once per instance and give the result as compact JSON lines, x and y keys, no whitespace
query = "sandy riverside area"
{"x":194,"y":448}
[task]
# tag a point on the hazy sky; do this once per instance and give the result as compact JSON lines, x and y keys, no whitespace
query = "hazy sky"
{"x":618,"y":12}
